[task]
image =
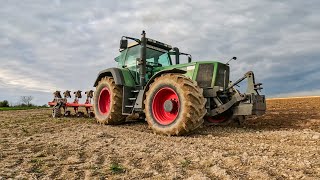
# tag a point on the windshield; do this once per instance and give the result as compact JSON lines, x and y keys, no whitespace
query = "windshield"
{"x":152,"y":56}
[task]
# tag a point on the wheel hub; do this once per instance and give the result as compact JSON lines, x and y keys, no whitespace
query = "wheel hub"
{"x":165,"y":106}
{"x":168,"y":105}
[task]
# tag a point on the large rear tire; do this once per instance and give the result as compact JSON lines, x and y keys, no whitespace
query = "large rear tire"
{"x":174,"y":105}
{"x":108,"y":102}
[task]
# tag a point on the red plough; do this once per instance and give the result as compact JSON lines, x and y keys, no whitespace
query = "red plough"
{"x":60,"y":102}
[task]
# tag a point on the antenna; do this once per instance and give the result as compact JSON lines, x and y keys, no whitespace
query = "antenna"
{"x":234,"y":58}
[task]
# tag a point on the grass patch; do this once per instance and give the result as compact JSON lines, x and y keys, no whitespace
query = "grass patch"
{"x":36,"y":170}
{"x":36,"y":167}
{"x":36,"y":161}
{"x":25,"y":131}
{"x":116,"y":168}
{"x":185,"y":163}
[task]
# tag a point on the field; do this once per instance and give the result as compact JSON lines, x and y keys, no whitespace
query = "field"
{"x":283,"y":144}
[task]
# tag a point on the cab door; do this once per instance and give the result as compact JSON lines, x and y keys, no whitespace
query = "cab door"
{"x":130,"y":61}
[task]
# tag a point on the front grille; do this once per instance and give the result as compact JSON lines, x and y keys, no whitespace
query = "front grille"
{"x":204,"y":76}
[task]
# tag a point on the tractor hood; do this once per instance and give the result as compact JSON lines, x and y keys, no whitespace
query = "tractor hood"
{"x":206,"y":73}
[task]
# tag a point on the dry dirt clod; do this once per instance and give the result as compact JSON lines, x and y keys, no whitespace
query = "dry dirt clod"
{"x":316,"y":136}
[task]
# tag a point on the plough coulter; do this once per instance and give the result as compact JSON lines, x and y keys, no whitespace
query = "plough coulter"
{"x":58,"y":103}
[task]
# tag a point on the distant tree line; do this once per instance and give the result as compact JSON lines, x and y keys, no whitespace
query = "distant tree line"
{"x":24,"y":101}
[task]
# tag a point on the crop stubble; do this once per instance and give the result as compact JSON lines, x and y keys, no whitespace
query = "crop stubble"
{"x":282,"y":144}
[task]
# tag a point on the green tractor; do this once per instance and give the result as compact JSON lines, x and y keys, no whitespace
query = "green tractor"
{"x":174,"y":98}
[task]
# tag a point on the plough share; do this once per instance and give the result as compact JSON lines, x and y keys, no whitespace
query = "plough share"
{"x":58,"y":103}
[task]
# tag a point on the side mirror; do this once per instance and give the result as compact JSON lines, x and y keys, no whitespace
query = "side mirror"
{"x":123,"y":44}
{"x":234,"y":58}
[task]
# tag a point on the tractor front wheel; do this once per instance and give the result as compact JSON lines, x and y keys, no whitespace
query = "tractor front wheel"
{"x":174,"y":105}
{"x":220,"y":119}
{"x":224,"y":119}
{"x":108,"y":102}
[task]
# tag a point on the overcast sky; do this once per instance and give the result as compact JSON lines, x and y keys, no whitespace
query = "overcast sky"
{"x":51,"y":44}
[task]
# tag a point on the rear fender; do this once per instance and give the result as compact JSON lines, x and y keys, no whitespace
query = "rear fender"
{"x":111,"y":72}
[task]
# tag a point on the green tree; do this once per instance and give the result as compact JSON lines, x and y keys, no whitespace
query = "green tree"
{"x":4,"y":103}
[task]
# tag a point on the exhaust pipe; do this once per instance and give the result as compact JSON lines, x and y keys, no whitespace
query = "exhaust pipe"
{"x":142,"y":63}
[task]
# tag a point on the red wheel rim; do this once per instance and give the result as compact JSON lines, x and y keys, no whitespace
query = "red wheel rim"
{"x":163,"y":116}
{"x":216,"y":119}
{"x":104,"y":101}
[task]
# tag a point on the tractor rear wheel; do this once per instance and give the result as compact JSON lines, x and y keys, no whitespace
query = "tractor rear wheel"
{"x":174,"y":105}
{"x":108,"y":102}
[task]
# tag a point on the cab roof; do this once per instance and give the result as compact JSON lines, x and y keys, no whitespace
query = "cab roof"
{"x":154,"y":43}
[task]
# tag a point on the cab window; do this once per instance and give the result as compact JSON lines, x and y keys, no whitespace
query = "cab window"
{"x":158,"y":57}
{"x":131,"y":58}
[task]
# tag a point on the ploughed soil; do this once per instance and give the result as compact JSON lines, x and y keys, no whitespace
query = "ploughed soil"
{"x":282,"y":144}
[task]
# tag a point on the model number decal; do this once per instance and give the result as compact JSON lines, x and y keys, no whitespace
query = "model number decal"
{"x":190,"y":68}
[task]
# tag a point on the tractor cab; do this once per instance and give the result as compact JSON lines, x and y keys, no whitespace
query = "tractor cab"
{"x":155,"y":57}
{"x":157,"y":54}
